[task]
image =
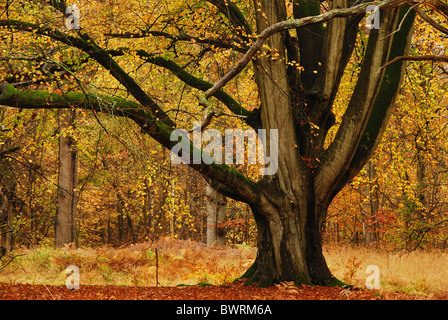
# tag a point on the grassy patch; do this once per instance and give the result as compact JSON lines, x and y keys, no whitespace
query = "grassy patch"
{"x":424,"y":272}
{"x":191,"y":263}
{"x":185,"y":262}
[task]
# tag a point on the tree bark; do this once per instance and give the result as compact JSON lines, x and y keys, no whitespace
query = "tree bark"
{"x":5,"y":223}
{"x":287,"y":249}
{"x":216,"y":213}
{"x":371,"y":204}
{"x":292,"y":204}
{"x":65,"y":224}
{"x":287,"y":217}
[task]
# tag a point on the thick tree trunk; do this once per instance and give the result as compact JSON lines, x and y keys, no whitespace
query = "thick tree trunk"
{"x":288,"y":218}
{"x":65,"y":225}
{"x":287,"y":249}
{"x":292,"y":204}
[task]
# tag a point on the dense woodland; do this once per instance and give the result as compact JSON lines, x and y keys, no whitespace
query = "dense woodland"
{"x":129,"y":191}
{"x":126,"y":188}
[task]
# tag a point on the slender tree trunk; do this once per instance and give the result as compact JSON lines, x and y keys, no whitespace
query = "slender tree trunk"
{"x":172,"y":215}
{"x":120,"y":218}
{"x":147,"y":204}
{"x":216,"y":213}
{"x":421,"y":179}
{"x":130,"y":233}
{"x":9,"y":239}
{"x":370,"y":207}
{"x":65,"y":226}
{"x":5,"y":222}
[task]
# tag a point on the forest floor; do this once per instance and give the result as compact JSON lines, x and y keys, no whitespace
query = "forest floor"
{"x":188,"y":270}
{"x":235,"y":291}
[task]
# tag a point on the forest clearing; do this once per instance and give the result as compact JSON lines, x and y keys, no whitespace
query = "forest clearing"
{"x":189,"y":270}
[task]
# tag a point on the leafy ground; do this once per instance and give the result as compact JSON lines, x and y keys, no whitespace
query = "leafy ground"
{"x":236,"y":291}
{"x":189,"y":270}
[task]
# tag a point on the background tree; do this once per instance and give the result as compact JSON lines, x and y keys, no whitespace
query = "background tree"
{"x":65,"y":224}
{"x":216,"y":215}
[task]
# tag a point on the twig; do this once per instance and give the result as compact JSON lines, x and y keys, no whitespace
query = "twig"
{"x":404,"y":18}
{"x":416,"y":58}
{"x":350,"y":240}
{"x":50,"y":292}
{"x":431,"y":21}
{"x":157,"y":267}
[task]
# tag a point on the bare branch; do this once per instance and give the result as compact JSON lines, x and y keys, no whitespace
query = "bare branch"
{"x":417,"y":58}
{"x":415,"y":6}
{"x":182,"y":37}
{"x":428,"y":19}
{"x":231,"y":11}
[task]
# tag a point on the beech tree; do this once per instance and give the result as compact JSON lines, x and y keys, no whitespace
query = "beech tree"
{"x":298,"y":52}
{"x":215,"y":214}
{"x":65,"y":226}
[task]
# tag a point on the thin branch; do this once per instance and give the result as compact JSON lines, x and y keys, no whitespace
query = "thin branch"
{"x":431,"y":21}
{"x":403,"y":19}
{"x":236,"y":18}
{"x":417,"y":58}
{"x":183,"y":37}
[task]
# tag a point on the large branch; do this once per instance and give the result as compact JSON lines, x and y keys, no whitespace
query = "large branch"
{"x":338,"y":45}
{"x":310,"y":40}
{"x":236,"y":185}
{"x":336,"y":158}
{"x":161,"y":125}
{"x":88,"y":45}
{"x":250,"y":117}
{"x":354,"y":148}
{"x":291,"y":24}
{"x":103,"y":57}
